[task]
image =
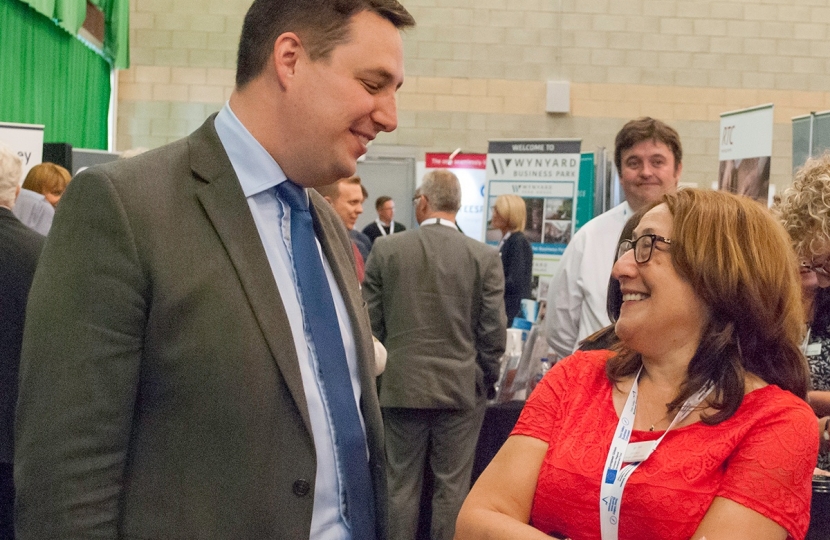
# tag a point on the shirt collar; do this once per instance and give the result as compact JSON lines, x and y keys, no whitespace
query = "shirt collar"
{"x":256,"y":169}
{"x":438,"y":221}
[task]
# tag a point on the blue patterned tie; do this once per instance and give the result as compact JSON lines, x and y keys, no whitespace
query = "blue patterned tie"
{"x":321,"y":322}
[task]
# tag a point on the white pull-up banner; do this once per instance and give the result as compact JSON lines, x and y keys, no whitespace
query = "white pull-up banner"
{"x":25,"y":140}
{"x":745,"y":152}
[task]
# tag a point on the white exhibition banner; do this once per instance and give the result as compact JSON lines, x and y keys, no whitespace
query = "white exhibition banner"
{"x":745,"y":152}
{"x":470,"y":170}
{"x":545,"y":173}
{"x":25,"y":140}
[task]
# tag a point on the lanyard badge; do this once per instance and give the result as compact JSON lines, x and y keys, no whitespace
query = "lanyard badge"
{"x":616,"y":473}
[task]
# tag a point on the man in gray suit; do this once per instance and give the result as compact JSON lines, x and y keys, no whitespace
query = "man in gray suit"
{"x":436,"y":301}
{"x":172,"y":381}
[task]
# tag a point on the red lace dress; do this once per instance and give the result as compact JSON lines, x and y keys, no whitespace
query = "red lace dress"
{"x":762,"y":457}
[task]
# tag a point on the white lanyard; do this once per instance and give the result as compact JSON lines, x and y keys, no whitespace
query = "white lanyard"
{"x":806,"y":342}
{"x":438,"y":221}
{"x":613,"y":478}
{"x":504,"y":239}
{"x":382,"y":230}
{"x":810,"y":349}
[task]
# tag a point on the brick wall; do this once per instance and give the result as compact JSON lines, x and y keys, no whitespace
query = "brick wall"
{"x":476,"y":70}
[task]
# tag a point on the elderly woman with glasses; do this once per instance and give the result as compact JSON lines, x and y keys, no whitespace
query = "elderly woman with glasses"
{"x":804,"y":210}
{"x":696,"y":424}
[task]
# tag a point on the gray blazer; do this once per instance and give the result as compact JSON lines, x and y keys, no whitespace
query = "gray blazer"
{"x":160,"y":393}
{"x":436,"y":300}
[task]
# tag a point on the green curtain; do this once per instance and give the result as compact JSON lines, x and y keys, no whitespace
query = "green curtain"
{"x":49,"y":77}
{"x":70,"y":15}
{"x":117,"y":40}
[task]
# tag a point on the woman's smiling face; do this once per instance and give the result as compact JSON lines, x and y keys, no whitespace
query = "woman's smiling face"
{"x":660,"y":308}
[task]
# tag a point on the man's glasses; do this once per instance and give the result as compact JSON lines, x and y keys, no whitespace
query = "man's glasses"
{"x":643,"y":247}
{"x":820,"y":269}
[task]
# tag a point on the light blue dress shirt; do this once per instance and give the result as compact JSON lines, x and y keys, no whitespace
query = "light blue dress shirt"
{"x":258,"y":174}
{"x":34,"y":211}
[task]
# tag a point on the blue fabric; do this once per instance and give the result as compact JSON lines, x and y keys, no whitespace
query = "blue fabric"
{"x":321,"y":321}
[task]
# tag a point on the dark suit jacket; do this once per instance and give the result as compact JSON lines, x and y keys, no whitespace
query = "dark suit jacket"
{"x":364,"y":245}
{"x":160,"y":392}
{"x":517,"y":261}
{"x":20,"y":248}
{"x":436,"y":300}
{"x":373,"y":231}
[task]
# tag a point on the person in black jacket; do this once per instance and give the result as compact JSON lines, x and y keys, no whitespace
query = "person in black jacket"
{"x":510,"y":216}
{"x":385,"y":224}
{"x":19,"y":251}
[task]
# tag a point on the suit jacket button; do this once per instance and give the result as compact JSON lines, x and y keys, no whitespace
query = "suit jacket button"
{"x":301,"y":487}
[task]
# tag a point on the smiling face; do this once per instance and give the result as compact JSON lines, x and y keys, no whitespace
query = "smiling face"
{"x":349,"y":204}
{"x":809,"y":280}
{"x":648,"y":171}
{"x":336,"y":105}
{"x":660,"y":312}
{"x":820,"y":261}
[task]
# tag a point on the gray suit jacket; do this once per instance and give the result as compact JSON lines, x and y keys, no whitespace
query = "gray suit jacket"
{"x":436,"y":300}
{"x":160,"y":392}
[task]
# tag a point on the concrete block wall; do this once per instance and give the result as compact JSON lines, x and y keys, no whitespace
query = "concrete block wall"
{"x":476,"y":70}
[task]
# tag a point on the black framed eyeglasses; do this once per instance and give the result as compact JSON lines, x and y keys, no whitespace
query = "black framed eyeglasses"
{"x":820,"y":269}
{"x":643,"y":247}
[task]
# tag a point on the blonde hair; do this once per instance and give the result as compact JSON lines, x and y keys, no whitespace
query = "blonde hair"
{"x":737,"y":258}
{"x":332,"y":191}
{"x":804,"y":208}
{"x":47,"y":178}
{"x":512,"y":208}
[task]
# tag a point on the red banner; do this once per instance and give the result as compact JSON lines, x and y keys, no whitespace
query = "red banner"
{"x":460,"y":161}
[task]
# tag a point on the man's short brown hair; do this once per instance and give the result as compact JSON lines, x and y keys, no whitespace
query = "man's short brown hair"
{"x":644,"y":129}
{"x":321,"y":24}
{"x":380,"y":201}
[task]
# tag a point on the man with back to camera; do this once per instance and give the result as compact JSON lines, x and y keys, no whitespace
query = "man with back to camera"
{"x":385,"y":224}
{"x":648,"y":156}
{"x":436,"y":301}
{"x":346,"y":197}
{"x":197,"y":361}
{"x":20,"y":248}
{"x":33,"y":210}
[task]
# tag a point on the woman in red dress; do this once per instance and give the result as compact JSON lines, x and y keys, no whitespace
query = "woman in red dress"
{"x":696,"y":425}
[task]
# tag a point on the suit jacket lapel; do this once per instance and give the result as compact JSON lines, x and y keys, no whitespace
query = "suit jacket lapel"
{"x":227,"y":209}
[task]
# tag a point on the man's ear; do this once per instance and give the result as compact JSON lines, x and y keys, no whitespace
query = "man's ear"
{"x":423,"y":202}
{"x":287,"y":51}
{"x":328,"y":199}
{"x":678,"y":169}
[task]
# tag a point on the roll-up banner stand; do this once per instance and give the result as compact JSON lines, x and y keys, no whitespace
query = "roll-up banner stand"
{"x":745,"y":152}
{"x":545,"y":173}
{"x":470,"y":170}
{"x":25,"y":140}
